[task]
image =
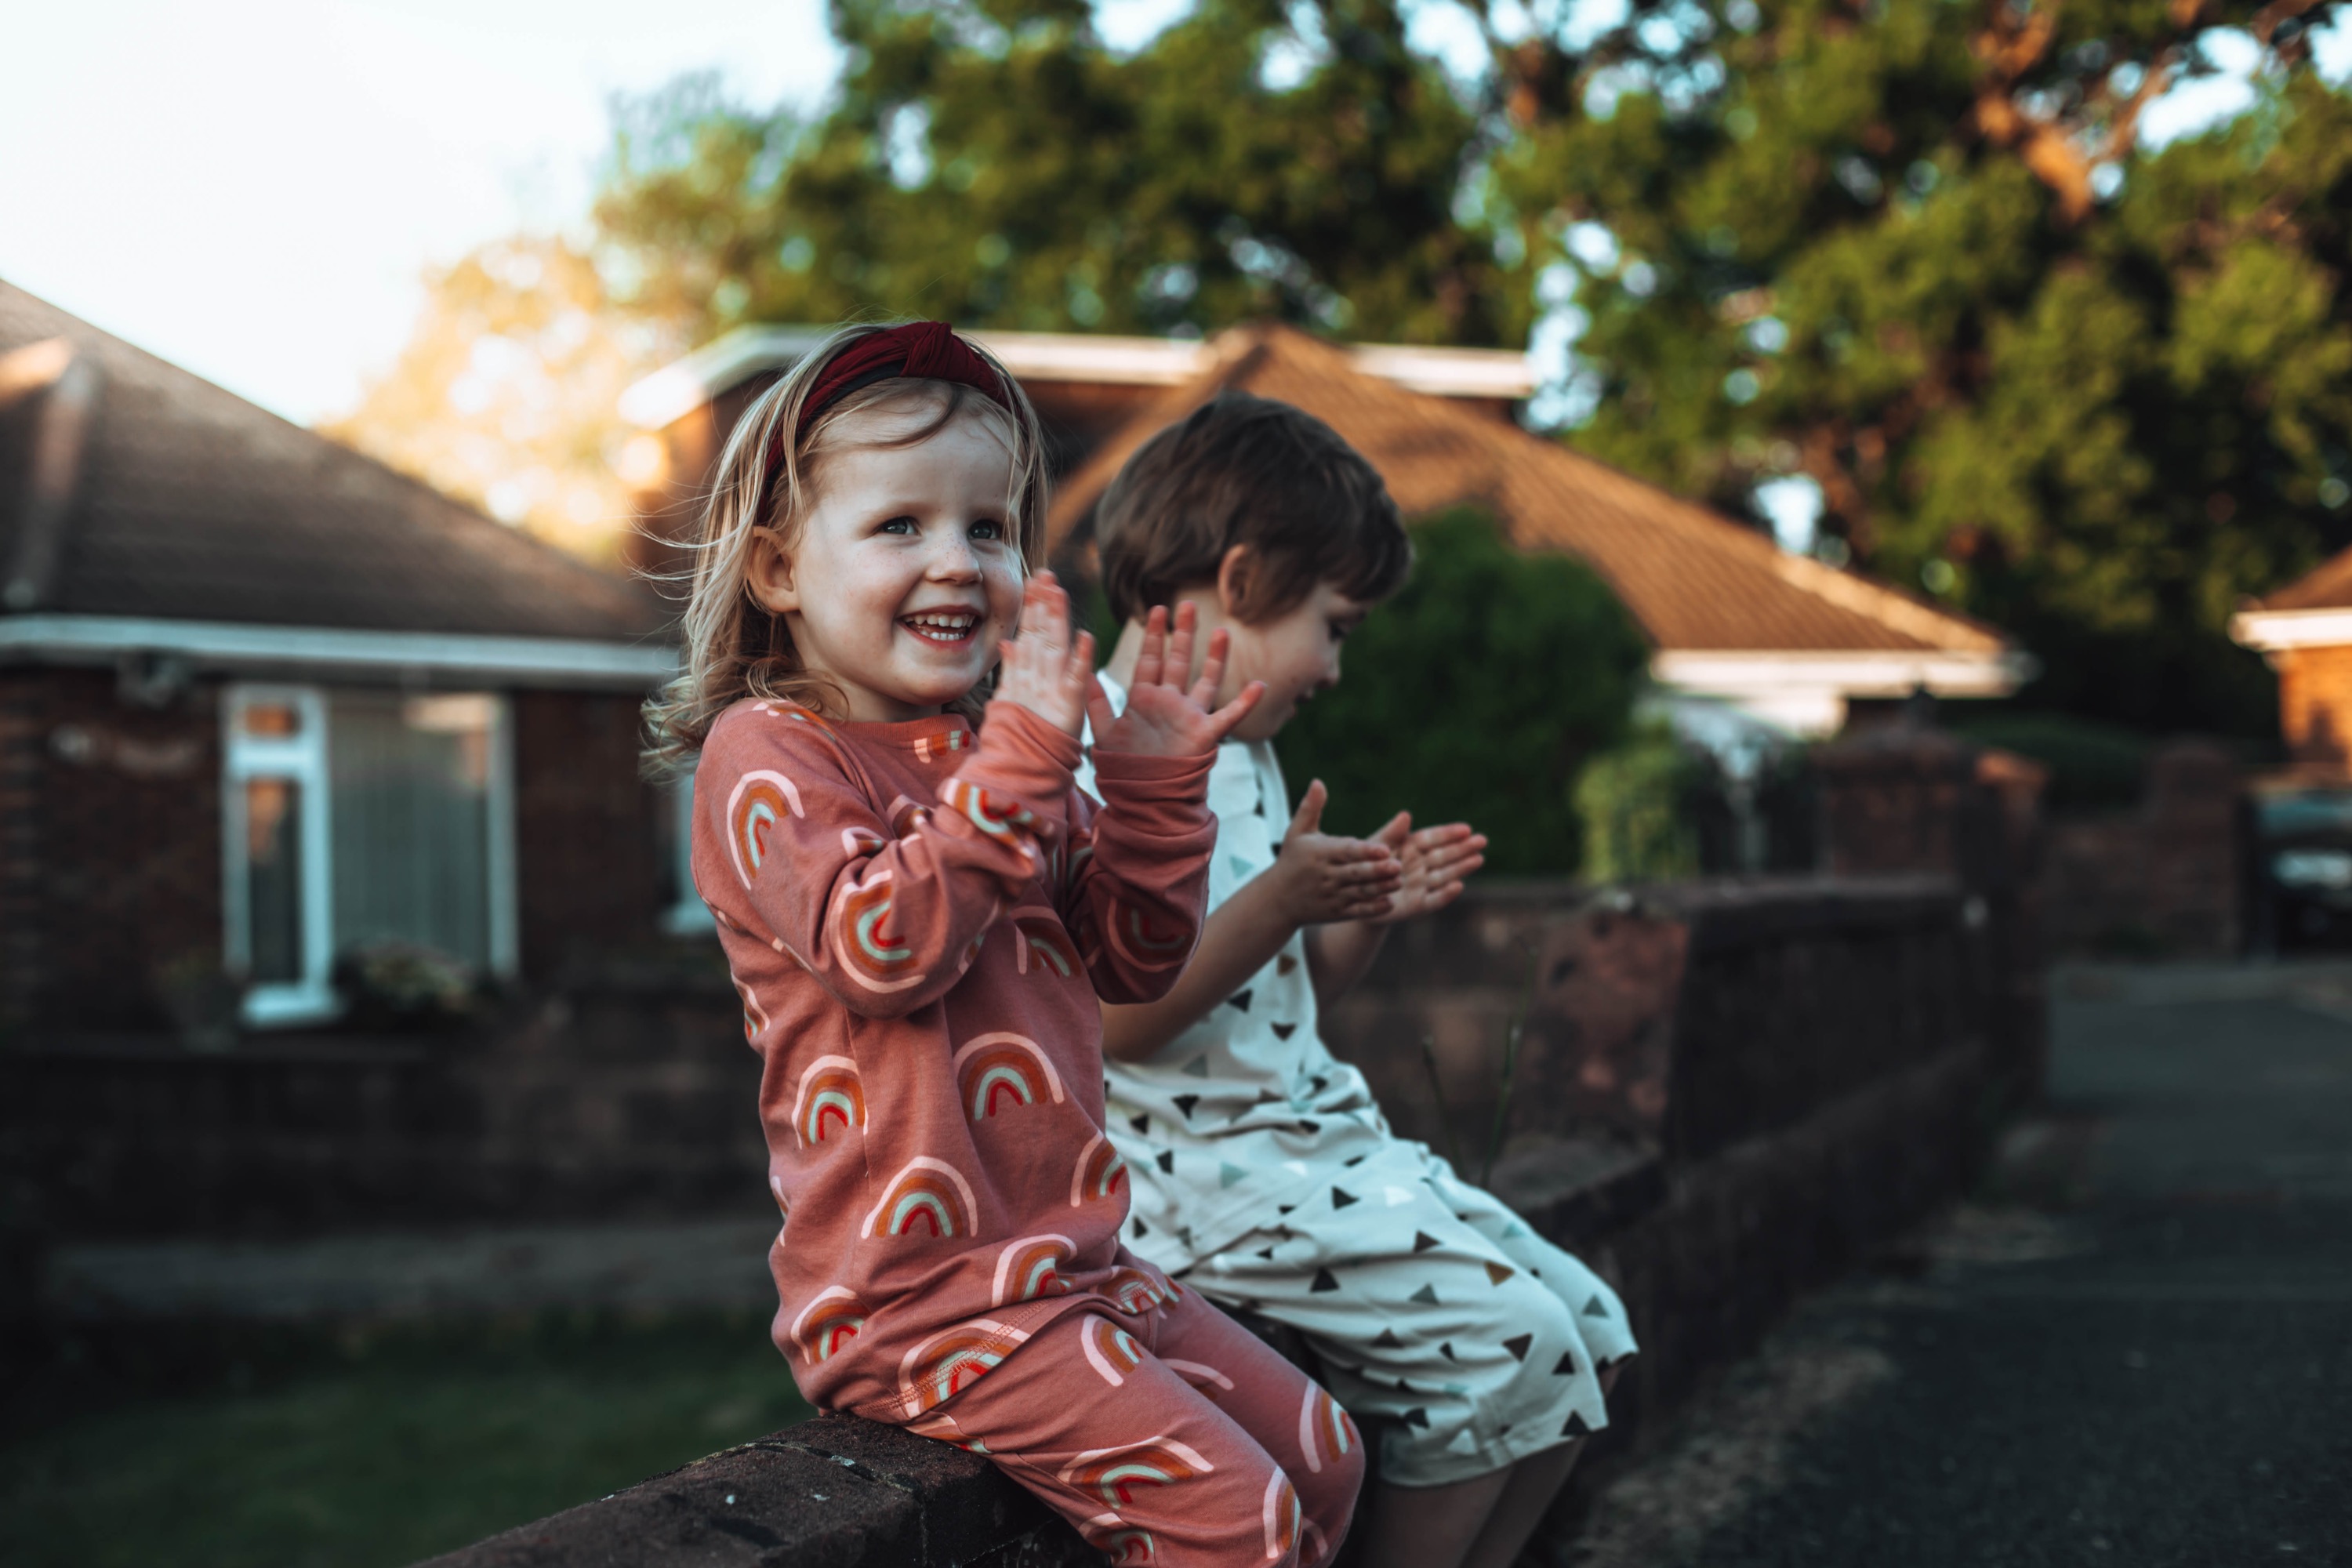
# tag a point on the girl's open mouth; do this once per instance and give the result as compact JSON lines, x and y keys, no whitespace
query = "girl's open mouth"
{"x":947,"y":628}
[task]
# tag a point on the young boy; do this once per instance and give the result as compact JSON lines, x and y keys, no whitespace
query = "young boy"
{"x":1262,"y":1170}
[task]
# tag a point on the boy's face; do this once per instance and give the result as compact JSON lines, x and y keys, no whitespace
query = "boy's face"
{"x":1297,"y":654}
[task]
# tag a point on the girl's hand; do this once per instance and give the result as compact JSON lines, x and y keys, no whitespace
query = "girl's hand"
{"x":1163,"y":717}
{"x":1434,"y":862}
{"x":1044,"y":669}
{"x":1323,"y":878}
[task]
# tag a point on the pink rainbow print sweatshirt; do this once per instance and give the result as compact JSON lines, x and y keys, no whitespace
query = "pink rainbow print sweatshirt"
{"x":920,"y":921}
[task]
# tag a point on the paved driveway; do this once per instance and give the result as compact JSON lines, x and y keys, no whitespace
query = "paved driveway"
{"x":2136,"y":1348}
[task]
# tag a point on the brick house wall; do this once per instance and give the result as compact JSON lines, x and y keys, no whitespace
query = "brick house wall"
{"x":110,"y":842}
{"x":111,"y":818}
{"x":2316,"y":703}
{"x":590,"y":836}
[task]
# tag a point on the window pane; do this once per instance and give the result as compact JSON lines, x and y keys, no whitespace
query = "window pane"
{"x":411,"y":781}
{"x":272,"y":719}
{"x":273,"y":878}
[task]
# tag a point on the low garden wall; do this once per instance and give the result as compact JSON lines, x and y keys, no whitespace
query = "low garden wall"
{"x":1720,"y":1096}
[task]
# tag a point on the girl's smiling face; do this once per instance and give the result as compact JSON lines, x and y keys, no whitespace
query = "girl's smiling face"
{"x":904,"y":575}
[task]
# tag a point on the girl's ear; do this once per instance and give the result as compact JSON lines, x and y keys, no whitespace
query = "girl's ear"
{"x":1236,"y":576}
{"x":768,"y":573}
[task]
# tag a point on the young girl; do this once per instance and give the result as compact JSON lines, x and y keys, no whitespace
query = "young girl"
{"x":922,"y":919}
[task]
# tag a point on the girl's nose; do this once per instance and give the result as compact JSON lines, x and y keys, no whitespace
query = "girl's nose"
{"x":952,"y":558}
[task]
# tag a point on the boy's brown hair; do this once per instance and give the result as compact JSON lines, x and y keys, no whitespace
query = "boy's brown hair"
{"x":1248,"y":470}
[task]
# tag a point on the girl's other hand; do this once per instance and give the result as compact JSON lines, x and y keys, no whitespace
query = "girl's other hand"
{"x":1434,"y":861}
{"x":1164,"y":718}
{"x":1044,"y":669}
{"x":1325,"y":877}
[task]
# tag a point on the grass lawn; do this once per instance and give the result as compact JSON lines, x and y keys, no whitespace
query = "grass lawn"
{"x":370,"y":1453}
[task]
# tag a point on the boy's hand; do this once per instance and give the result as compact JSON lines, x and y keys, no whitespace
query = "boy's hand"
{"x":1434,"y":862}
{"x":1323,"y":878}
{"x":1163,"y":717}
{"x":1044,"y":669}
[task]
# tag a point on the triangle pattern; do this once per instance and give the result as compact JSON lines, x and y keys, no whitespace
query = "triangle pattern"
{"x":1499,"y":1272}
{"x":1340,"y":1198}
{"x":1567,"y":1367}
{"x":1228,"y":1172}
{"x":1283,"y":1031}
{"x":1166,"y":1160}
{"x":1141,"y":1124}
{"x":1239,"y":999}
{"x":1596,"y":1308}
{"x":1576,"y":1426}
{"x":1426,"y":1295}
{"x":1517,"y":1346}
{"x":1389,"y":1340}
{"x":1417,"y":1417}
{"x":1197,"y":1067}
{"x":1423,"y":1241}
{"x":1185,"y":1102}
{"x":1324,"y":1280}
{"x":1285,"y":964}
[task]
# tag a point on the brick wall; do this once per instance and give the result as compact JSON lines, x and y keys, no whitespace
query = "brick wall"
{"x":590,"y":836}
{"x":2316,"y":703}
{"x":110,"y":842}
{"x":109,"y":815}
{"x":2164,"y":880}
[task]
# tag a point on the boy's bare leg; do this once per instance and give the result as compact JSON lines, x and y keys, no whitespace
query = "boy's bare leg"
{"x":1430,"y":1527}
{"x":1535,"y":1481}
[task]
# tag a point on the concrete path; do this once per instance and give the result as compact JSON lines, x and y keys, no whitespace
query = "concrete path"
{"x":2137,"y":1349}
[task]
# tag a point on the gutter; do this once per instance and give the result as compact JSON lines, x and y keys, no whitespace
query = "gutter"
{"x":2275,"y":631}
{"x":1737,"y":673}
{"x":408,"y":658}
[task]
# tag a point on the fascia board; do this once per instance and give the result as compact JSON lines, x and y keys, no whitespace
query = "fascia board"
{"x":329,"y":650}
{"x":1736,"y":672}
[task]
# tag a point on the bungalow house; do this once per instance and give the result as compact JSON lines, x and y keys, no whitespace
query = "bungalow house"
{"x":1736,"y":623}
{"x":262,"y":699}
{"x":2302,"y":814}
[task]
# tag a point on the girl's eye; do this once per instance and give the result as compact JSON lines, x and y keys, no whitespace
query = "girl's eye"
{"x":988,"y":527}
{"x":899,"y":525}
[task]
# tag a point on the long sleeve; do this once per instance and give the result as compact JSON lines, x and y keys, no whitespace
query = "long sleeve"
{"x":1137,"y":888}
{"x":884,"y":903}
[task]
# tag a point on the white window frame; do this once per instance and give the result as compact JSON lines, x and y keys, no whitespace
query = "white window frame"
{"x":303,"y":758}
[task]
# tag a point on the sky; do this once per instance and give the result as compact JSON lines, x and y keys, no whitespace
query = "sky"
{"x":255,"y":189}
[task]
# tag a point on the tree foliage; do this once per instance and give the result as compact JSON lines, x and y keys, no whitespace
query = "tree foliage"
{"x":1909,"y":249}
{"x":1477,"y":694}
{"x":995,"y":164}
{"x":504,"y":394}
{"x":1912,"y":251}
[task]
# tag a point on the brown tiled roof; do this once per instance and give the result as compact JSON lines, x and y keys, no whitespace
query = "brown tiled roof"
{"x":2327,"y":587}
{"x":1694,"y":580}
{"x":190,"y":503}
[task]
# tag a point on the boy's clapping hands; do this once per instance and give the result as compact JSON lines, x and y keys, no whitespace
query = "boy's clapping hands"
{"x":1394,"y":875}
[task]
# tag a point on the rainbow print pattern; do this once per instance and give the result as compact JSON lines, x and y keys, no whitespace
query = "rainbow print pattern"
{"x":1199,"y":1373}
{"x":875,"y":956}
{"x":1282,"y":1516}
{"x":755,"y":1017}
{"x":1325,"y":1431}
{"x":1031,"y":1267}
{"x":857,"y":843}
{"x":1125,"y":1545}
{"x":1004,"y":1071}
{"x":1136,"y":1291}
{"x":1144,"y":943}
{"x":939,"y":1367}
{"x":832,"y":1100}
{"x":1101,"y":1171}
{"x":758,"y":801}
{"x":905,"y":816}
{"x":938,"y":745}
{"x":783,"y":1203}
{"x":1110,"y":1350}
{"x":999,"y":818}
{"x":1117,"y":1475}
{"x":926,"y":1194}
{"x":1044,"y":945}
{"x":831,"y":1320}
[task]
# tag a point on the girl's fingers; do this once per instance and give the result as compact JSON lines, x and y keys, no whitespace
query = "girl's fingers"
{"x":1221,"y":722}
{"x":1098,"y":711}
{"x":1148,"y":663}
{"x":1179,"y":667}
{"x":1212,"y":668}
{"x":1079,"y":668}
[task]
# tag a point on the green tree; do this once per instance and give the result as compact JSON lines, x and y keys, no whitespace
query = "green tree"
{"x":1909,"y":249}
{"x":993,"y":162}
{"x":1477,"y":694}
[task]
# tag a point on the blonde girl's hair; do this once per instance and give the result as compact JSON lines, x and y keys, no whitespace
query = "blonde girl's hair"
{"x":734,"y":648}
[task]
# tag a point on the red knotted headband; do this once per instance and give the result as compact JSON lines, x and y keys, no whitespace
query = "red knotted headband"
{"x":927,"y":351}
